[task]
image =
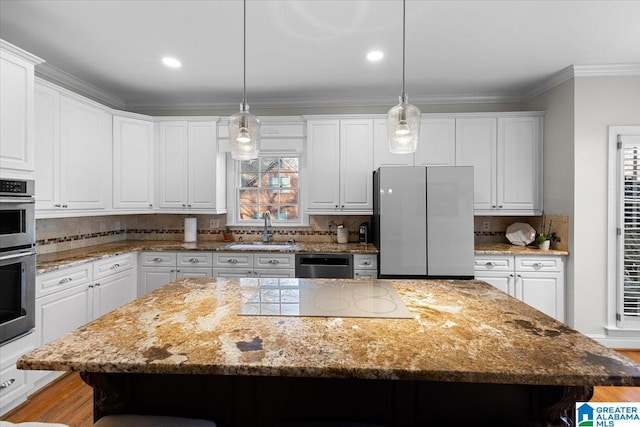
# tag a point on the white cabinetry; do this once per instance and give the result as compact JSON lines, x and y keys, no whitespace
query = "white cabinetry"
{"x":365,"y":266}
{"x":69,"y":298}
{"x":253,"y":264}
{"x":535,"y":280}
{"x":190,"y":169}
{"x":156,"y":270}
{"x":505,"y":152}
{"x":73,"y":153}
{"x":15,"y":384}
{"x":16,"y":111}
{"x":340,"y":164}
{"x":133,"y":163}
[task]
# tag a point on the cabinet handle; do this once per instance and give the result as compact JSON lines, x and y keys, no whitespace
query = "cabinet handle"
{"x":90,"y":286}
{"x":65,"y":206}
{"x":519,"y":276}
{"x":493,"y":206}
{"x":7,"y":383}
{"x":157,"y":260}
{"x":342,"y":207}
{"x":115,"y":266}
{"x":490,"y":264}
{"x":151,"y":205}
{"x":336,"y":206}
{"x":500,"y":207}
{"x":366,"y":263}
{"x":511,"y":275}
{"x":97,"y":285}
{"x":537,"y":264}
{"x":194,"y":260}
{"x":189,"y":206}
{"x":184,"y":206}
{"x":57,"y":205}
{"x":273,"y":261}
{"x":172,"y":271}
{"x":65,"y":280}
{"x":232,"y":260}
{"x":178,"y":271}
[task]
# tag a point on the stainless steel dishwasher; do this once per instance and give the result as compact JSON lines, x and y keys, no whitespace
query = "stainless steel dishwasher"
{"x":326,"y":266}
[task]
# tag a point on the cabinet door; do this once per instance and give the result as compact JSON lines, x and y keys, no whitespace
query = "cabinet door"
{"x":62,"y":312}
{"x":85,"y":159}
{"x":275,"y":273}
{"x":47,"y":143}
{"x":232,"y":272}
{"x":476,"y":146}
{"x":323,"y":162}
{"x":518,"y":179}
{"x":133,"y":177}
{"x":152,"y":278}
{"x":437,"y":144}
{"x":365,"y":274}
{"x":171,"y":175}
{"x":543,"y":291}
{"x":202,"y":166}
{"x":16,"y":113}
{"x":501,"y":280}
{"x":113,"y":292}
{"x":356,"y":165}
{"x":381,"y":154}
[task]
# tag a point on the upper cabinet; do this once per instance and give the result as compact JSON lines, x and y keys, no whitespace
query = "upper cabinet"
{"x":505,"y":151}
{"x":73,"y":153}
{"x":436,"y":147}
{"x":340,"y":165}
{"x":190,"y":169}
{"x":16,"y":111}
{"x":133,"y":163}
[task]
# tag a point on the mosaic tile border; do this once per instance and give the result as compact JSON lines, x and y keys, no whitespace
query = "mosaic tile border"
{"x":77,"y":237}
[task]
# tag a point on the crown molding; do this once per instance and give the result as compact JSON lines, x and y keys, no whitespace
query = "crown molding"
{"x":553,"y":81}
{"x":51,"y":73}
{"x":606,"y":70}
{"x":6,"y":46}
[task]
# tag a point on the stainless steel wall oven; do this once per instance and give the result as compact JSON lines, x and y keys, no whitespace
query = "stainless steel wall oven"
{"x":17,"y":258}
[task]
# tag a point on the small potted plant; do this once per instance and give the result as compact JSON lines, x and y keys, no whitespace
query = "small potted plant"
{"x":544,"y":240}
{"x":227,"y":235}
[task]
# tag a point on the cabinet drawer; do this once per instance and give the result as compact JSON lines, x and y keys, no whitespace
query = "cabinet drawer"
{"x":365,"y":274}
{"x":13,"y":382}
{"x":233,"y":260}
{"x":274,"y":260}
{"x":547,"y":263}
{"x":493,"y":263}
{"x":195,"y":259}
{"x":157,"y":259}
{"x":66,"y":278}
{"x":365,"y":261}
{"x":112,"y":265}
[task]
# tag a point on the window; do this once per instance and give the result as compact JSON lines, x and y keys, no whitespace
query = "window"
{"x":626,"y":211}
{"x":269,"y":183}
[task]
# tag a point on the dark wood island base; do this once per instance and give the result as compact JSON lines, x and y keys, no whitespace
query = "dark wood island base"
{"x":289,"y":401}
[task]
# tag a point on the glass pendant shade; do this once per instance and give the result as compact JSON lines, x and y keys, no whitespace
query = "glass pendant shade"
{"x":244,"y":134}
{"x":403,"y":127}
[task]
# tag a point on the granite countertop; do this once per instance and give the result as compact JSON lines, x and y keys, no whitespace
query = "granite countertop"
{"x":509,"y":249}
{"x":63,"y":259}
{"x":461,"y":331}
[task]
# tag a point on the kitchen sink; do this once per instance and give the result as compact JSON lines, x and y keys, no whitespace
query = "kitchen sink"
{"x":260,"y":246}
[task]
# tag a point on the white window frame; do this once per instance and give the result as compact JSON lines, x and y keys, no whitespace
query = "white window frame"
{"x":233,"y":183}
{"x":616,"y":326}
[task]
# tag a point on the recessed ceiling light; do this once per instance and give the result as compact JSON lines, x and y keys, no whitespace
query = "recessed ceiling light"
{"x":171,"y":62}
{"x":375,"y":55}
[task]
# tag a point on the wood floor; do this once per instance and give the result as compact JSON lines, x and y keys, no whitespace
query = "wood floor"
{"x":70,"y":401}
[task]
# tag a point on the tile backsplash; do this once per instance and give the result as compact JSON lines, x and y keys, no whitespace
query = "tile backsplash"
{"x":58,"y":234}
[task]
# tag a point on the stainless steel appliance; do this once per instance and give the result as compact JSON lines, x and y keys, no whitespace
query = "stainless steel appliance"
{"x":17,"y":258}
{"x":423,"y":222}
{"x":363,"y":233}
{"x":326,"y":266}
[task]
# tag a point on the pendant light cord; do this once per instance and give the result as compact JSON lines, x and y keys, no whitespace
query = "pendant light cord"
{"x":403,"y":45}
{"x":244,"y":55}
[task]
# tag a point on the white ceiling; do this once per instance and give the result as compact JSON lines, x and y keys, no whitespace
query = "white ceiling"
{"x":312,"y":52}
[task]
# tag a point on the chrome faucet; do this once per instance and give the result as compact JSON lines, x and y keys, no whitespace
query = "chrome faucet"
{"x":267,"y":224}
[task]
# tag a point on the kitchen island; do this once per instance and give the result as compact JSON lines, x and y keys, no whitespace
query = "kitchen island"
{"x":470,"y":353}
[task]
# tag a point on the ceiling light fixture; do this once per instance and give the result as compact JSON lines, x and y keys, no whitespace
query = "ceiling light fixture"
{"x":375,"y":55}
{"x":171,"y":62}
{"x":244,"y":128}
{"x":403,"y":120}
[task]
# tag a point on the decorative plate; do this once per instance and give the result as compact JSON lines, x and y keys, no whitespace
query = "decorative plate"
{"x":520,"y":234}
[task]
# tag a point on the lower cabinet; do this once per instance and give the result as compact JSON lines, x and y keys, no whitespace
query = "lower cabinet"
{"x":261,"y":265}
{"x":15,"y":384}
{"x":365,"y":266}
{"x":69,"y":298}
{"x":535,"y":280}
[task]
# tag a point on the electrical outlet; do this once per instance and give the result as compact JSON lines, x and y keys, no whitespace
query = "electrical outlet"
{"x":485,"y":225}
{"x":117,"y":225}
{"x":214,"y":223}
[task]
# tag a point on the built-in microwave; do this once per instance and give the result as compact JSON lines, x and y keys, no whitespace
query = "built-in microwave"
{"x":17,"y":213}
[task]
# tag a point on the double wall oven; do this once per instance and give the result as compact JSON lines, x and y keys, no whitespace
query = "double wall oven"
{"x":17,"y":258}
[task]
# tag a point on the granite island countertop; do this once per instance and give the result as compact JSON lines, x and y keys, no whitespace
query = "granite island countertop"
{"x":461,"y":331}
{"x":63,"y":259}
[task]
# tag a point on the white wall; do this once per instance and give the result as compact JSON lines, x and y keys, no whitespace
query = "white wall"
{"x":558,"y":164}
{"x":599,"y":102}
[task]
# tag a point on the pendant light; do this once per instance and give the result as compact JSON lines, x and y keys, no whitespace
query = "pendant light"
{"x":403,"y":120}
{"x":244,"y":127}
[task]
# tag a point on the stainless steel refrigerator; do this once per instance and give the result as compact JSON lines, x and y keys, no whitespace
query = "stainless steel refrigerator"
{"x":423,"y":221}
